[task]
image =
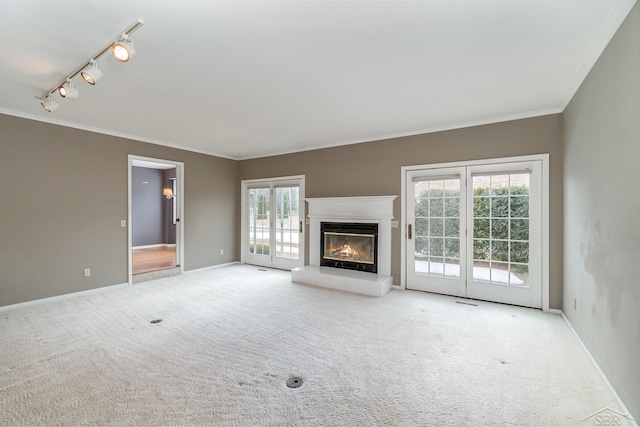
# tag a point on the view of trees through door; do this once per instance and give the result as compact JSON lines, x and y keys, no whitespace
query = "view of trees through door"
{"x":475,"y":231}
{"x":272,"y":218}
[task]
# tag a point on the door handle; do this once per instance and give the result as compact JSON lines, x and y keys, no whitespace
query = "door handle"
{"x":301,"y":226}
{"x":409,"y":233}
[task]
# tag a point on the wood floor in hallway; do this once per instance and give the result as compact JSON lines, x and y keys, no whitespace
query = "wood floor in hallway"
{"x":145,"y":260}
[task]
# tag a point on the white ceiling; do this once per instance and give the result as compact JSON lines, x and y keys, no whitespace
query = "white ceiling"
{"x":244,"y":79}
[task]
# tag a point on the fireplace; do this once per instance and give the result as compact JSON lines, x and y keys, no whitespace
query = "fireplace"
{"x":352,"y":274}
{"x":352,"y":246}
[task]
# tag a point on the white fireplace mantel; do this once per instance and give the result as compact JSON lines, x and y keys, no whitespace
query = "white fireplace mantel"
{"x":352,"y":208}
{"x":368,"y":209}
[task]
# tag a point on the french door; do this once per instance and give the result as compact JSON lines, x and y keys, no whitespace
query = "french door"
{"x":475,"y":232}
{"x":436,"y":208}
{"x":272,"y":230}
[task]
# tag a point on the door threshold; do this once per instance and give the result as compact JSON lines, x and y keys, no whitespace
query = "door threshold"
{"x":157,"y":274}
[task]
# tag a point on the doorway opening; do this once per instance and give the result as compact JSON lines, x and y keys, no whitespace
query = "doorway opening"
{"x":155,"y":229}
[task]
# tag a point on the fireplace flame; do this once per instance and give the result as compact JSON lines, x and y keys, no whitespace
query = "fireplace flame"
{"x":345,"y":251}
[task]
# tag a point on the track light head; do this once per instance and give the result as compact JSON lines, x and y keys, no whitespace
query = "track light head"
{"x":68,"y":90}
{"x":49,"y":104}
{"x":123,"y":49}
{"x":90,"y":73}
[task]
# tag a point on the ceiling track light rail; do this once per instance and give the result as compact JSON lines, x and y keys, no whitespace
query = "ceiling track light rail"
{"x":122,"y":50}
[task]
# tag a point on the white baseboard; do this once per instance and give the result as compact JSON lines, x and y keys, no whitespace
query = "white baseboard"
{"x":159,"y":245}
{"x":212,"y":267}
{"x":92,"y":291}
{"x":61,"y":297}
{"x":555,"y":311}
{"x":623,"y":407}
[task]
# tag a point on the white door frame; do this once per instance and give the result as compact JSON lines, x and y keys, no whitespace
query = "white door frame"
{"x":180,"y":208}
{"x":543,"y":158}
{"x":245,"y":184}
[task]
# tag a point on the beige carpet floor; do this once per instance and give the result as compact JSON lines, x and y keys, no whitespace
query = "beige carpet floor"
{"x":231,"y":337}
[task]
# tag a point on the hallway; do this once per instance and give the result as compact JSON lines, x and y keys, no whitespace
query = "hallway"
{"x":145,"y":260}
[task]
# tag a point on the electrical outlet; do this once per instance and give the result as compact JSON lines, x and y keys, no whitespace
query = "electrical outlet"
{"x":307,"y":221}
{"x":87,"y":272}
{"x":221,"y":251}
{"x":394,"y":224}
{"x":123,"y":223}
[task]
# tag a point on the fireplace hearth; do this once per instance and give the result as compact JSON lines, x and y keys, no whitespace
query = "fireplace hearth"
{"x":352,"y":246}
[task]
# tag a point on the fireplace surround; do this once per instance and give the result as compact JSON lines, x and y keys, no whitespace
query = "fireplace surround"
{"x":377,"y":210}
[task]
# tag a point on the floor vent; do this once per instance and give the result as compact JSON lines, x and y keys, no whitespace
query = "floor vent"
{"x":466,"y":303}
{"x":294,"y":382}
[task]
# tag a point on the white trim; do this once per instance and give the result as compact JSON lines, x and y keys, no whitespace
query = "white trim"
{"x":62,"y":297}
{"x":179,"y":226}
{"x":497,"y":160}
{"x":422,"y":131}
{"x":621,"y":404}
{"x":360,"y":207}
{"x":269,"y":180}
{"x":159,"y":245}
{"x":610,"y":28}
{"x":545,"y":256}
{"x":543,"y":158}
{"x":403,"y":227}
{"x":113,"y":133}
{"x":427,"y":130}
{"x":211,"y":267}
{"x":555,"y":311}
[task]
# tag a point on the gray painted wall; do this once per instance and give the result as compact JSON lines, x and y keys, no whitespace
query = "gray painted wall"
{"x":374,"y":168}
{"x":147,"y":210}
{"x":64,"y":194}
{"x":602,"y":212}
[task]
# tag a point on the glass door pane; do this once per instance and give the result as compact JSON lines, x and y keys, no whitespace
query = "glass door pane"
{"x":437,"y":227}
{"x":435,"y":243}
{"x":501,"y":228}
{"x":259,"y":220}
{"x":505,"y":233}
{"x":287,"y":227}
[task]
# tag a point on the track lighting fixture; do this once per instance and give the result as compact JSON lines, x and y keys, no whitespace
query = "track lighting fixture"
{"x":91,"y":74}
{"x":49,"y":104}
{"x":68,"y":90}
{"x":122,"y":49}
